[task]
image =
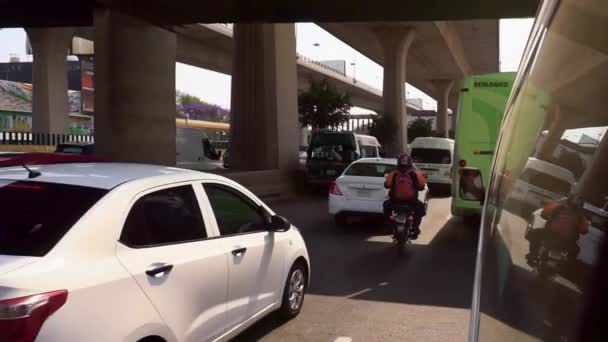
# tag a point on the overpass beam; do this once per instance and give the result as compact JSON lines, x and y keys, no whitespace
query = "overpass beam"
{"x":264,"y":114}
{"x":395,"y":41}
{"x":134,"y":90}
{"x":442,"y":93}
{"x":50,"y":79}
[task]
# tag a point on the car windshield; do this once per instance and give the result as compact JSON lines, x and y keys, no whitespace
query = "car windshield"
{"x":70,"y":149}
{"x":431,"y":155}
{"x":333,"y":147}
{"x":546,"y":181}
{"x":369,"y":169}
{"x":35,"y":216}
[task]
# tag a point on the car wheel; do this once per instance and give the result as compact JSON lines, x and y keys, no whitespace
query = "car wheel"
{"x":340,"y":220}
{"x":293,"y":293}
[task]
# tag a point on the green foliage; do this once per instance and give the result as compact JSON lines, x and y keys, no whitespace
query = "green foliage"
{"x":323,"y":106}
{"x":186,"y":99}
{"x":384,"y":127}
{"x":420,"y":128}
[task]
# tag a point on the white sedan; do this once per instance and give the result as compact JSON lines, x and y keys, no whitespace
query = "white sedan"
{"x":128,"y":252}
{"x":360,"y":189}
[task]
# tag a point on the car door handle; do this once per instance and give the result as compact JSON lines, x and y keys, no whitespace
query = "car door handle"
{"x":155,"y":270}
{"x":239,"y":251}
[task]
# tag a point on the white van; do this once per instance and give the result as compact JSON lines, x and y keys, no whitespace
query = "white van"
{"x":194,"y":150}
{"x":367,"y":146}
{"x":541,"y":182}
{"x":433,"y":157}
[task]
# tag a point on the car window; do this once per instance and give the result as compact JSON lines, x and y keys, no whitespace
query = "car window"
{"x":541,"y":262}
{"x":233,"y":212}
{"x":368,"y":151}
{"x":164,"y":217}
{"x":70,"y":149}
{"x":431,"y":155}
{"x":35,"y":216}
{"x":369,"y":170}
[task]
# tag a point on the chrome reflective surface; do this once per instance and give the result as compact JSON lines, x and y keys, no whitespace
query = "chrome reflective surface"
{"x":545,"y":218}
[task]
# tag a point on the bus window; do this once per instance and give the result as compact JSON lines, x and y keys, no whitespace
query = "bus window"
{"x":543,"y":252}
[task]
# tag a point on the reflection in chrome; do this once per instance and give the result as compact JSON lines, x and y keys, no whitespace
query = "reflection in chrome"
{"x":545,"y":219}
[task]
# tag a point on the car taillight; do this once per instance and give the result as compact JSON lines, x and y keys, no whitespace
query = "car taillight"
{"x":462,"y":163}
{"x":21,"y":318}
{"x":334,"y":190}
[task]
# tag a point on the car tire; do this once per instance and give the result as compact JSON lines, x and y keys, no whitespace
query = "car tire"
{"x":293,"y":292}
{"x":340,"y":220}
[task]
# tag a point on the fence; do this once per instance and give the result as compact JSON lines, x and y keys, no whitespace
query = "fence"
{"x":41,"y":139}
{"x":359,"y":124}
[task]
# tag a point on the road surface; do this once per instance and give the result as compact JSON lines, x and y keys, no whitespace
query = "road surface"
{"x":361,"y":291}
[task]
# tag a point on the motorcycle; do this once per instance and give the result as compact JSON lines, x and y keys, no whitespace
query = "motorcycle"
{"x":403,"y":225}
{"x":551,"y":258}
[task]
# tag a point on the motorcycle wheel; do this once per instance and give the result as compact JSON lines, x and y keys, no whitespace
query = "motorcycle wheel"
{"x":401,"y":243}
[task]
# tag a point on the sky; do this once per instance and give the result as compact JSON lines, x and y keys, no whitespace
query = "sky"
{"x":313,"y":42}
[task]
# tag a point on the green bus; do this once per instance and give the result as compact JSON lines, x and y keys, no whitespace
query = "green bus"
{"x":480,"y":108}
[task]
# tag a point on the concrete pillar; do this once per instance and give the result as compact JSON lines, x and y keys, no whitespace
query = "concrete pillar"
{"x":442,"y":93}
{"x":264,"y":110}
{"x":593,"y":183}
{"x":453,"y":102}
{"x":395,"y":41}
{"x":134,"y":90}
{"x":50,"y":106}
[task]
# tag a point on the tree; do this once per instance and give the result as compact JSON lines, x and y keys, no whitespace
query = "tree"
{"x":384,"y":127}
{"x":419,"y":128}
{"x":323,"y":106}
{"x":186,"y":99}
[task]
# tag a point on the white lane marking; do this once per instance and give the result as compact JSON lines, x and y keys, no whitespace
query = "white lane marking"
{"x":358,"y":293}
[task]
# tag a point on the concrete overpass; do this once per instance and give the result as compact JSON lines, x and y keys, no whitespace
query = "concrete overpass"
{"x":210,"y":46}
{"x":134,"y":96}
{"x":432,"y":55}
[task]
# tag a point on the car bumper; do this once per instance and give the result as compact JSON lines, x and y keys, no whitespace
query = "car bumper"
{"x":342,"y":204}
{"x":439,"y":180}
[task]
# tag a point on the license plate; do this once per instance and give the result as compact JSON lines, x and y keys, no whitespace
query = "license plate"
{"x":364,"y":193}
{"x":400,"y":229}
{"x":331,"y":172}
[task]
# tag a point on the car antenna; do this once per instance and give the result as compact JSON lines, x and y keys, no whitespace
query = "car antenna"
{"x":31,"y":173}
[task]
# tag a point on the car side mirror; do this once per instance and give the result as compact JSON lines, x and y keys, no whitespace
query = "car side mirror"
{"x":278,"y":224}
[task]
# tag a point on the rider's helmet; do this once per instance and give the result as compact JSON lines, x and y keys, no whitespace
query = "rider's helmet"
{"x":404,"y":163}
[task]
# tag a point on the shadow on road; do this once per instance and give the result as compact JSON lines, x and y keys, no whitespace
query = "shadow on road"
{"x":438,"y":274}
{"x":360,"y":262}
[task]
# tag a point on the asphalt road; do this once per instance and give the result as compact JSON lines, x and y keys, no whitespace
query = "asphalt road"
{"x":362,"y":291}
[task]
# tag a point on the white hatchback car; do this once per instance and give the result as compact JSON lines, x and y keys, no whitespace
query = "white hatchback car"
{"x":128,"y":252}
{"x":360,"y":189}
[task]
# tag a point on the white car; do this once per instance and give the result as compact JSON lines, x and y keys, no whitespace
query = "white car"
{"x":129,"y":252}
{"x":360,"y":189}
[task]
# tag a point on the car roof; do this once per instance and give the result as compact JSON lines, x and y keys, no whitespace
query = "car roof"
{"x":389,"y":161}
{"x":551,"y":169}
{"x":96,"y":175}
{"x":432,"y":142}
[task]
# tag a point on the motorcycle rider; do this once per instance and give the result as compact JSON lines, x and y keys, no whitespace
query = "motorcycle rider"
{"x":565,"y":221}
{"x":404,"y":183}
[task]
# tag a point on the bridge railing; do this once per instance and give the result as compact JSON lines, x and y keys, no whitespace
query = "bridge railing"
{"x":42,"y":139}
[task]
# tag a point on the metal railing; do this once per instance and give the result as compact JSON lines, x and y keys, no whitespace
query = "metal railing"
{"x":42,"y":139}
